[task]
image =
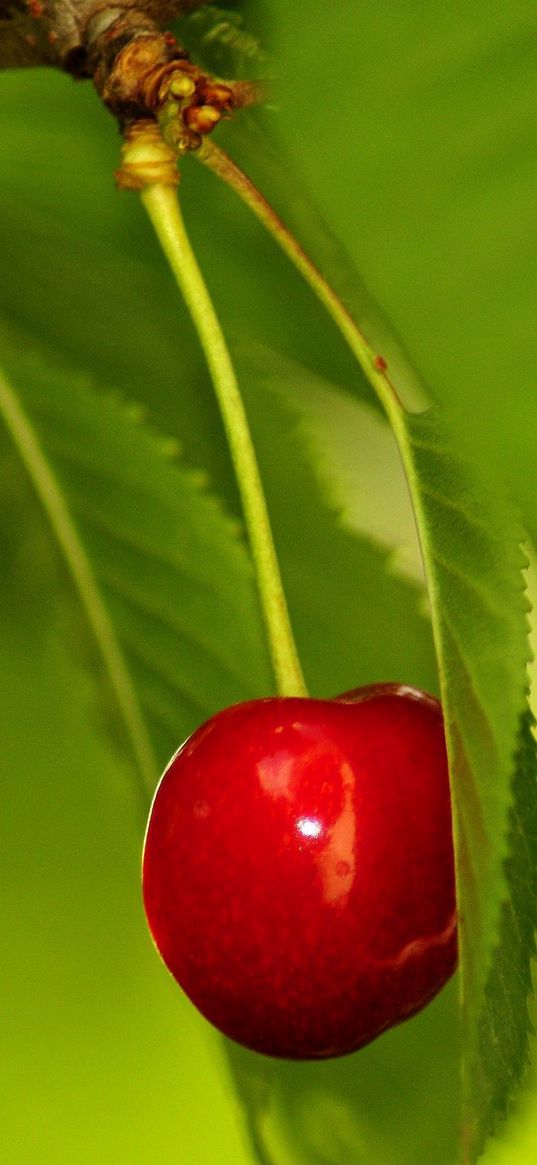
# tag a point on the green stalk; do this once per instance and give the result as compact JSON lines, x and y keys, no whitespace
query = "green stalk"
{"x":162,"y":206}
{"x":370,"y":361}
{"x":373,"y":365}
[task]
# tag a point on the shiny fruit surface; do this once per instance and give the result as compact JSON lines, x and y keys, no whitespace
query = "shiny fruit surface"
{"x":298,"y":868}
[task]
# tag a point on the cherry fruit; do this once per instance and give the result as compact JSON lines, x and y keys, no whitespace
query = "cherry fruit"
{"x":298,"y":868}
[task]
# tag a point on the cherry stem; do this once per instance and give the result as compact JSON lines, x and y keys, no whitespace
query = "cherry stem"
{"x":373,"y":365}
{"x":162,"y":206}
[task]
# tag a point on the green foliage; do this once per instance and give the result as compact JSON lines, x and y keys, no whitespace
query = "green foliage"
{"x":503,"y":1034}
{"x":168,"y":563}
{"x":413,"y":131}
{"x":473,"y":566}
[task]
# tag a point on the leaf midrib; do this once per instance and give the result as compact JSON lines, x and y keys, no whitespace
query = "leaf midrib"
{"x":48,"y":491}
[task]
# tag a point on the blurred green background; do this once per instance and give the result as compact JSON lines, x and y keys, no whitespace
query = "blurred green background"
{"x":411,"y":130}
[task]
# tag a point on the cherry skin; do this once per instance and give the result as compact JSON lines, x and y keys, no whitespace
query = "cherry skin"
{"x":298,"y":868}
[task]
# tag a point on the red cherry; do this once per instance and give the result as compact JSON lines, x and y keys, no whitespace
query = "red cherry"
{"x":298,"y":868}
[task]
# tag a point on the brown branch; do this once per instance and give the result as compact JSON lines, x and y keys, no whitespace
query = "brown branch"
{"x":59,"y":32}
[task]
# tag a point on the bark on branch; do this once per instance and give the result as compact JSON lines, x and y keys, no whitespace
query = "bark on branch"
{"x":60,"y":32}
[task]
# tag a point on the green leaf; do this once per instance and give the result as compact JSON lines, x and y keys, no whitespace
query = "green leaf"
{"x":504,"y":1043}
{"x":168,"y":574}
{"x":473,"y":566}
